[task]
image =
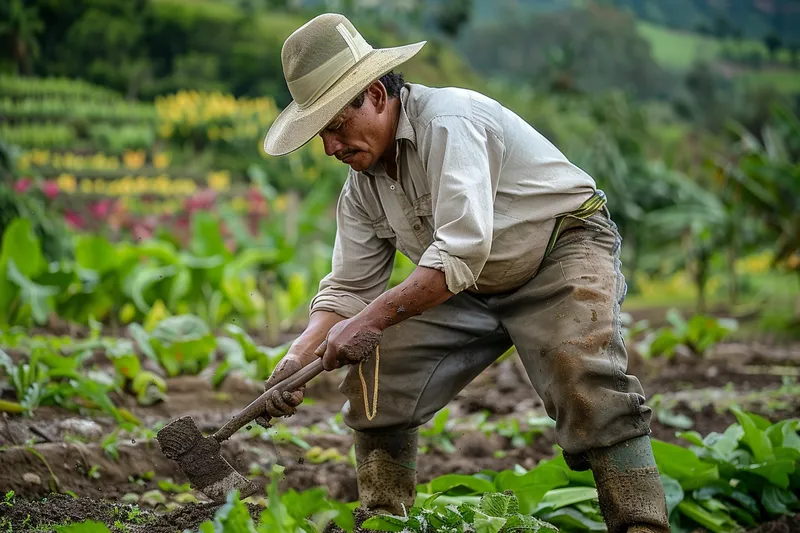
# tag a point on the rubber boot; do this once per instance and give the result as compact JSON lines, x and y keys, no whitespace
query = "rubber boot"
{"x":386,"y":470}
{"x":629,"y":487}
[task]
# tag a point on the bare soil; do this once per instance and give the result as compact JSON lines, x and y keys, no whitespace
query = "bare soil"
{"x":67,"y":447}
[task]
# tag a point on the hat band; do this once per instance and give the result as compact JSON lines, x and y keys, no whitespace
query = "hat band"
{"x":307,"y":89}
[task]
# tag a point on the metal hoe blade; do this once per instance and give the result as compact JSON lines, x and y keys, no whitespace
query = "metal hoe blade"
{"x":200,"y":459}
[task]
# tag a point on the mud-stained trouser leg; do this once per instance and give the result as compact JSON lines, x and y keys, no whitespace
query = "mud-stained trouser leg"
{"x":629,"y":487}
{"x":565,"y":324}
{"x":425,"y":362}
{"x":386,"y":470}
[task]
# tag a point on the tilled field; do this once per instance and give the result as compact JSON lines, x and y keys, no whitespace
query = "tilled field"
{"x":61,"y":451}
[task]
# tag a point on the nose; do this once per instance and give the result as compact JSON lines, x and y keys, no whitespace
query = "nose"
{"x":331,"y":143}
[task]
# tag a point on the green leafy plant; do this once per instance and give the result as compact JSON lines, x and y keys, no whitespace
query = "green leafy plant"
{"x":494,"y":513}
{"x":698,"y":335}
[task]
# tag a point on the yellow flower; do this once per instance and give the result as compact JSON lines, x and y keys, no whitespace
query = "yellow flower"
{"x":134,"y":159}
{"x":281,"y":203}
{"x":86,"y":186}
{"x":161,"y":160}
{"x":219,"y":181}
{"x":239,"y":204}
{"x":67,"y":183}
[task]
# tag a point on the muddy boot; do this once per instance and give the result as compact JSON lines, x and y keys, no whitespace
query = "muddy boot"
{"x":629,"y":487}
{"x":386,"y":469}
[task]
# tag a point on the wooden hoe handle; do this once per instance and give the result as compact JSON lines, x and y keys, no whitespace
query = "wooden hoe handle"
{"x":258,"y":406}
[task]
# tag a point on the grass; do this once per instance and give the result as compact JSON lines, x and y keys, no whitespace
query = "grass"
{"x":785,"y":81}
{"x":679,"y":50}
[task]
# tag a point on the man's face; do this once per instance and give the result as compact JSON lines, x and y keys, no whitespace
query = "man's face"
{"x":359,"y":136}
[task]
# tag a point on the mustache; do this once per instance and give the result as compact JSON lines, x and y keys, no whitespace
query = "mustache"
{"x":344,"y":153}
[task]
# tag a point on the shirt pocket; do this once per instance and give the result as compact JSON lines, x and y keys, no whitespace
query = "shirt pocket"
{"x":422,"y":206}
{"x":383,"y":230}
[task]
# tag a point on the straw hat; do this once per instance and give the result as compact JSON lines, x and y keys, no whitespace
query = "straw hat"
{"x":327,"y":64}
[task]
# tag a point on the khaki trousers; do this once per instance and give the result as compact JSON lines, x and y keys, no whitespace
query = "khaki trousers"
{"x":565,"y":325}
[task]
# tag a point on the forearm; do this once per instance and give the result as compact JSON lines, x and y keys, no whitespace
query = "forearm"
{"x":320,"y":323}
{"x":423,"y":289}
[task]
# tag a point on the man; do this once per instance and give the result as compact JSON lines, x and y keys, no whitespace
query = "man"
{"x":513,"y":245}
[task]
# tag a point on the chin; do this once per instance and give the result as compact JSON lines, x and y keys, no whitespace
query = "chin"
{"x":360,"y":162}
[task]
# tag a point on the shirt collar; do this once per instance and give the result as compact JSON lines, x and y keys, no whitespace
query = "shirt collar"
{"x":404,"y":128}
{"x":404,"y":131}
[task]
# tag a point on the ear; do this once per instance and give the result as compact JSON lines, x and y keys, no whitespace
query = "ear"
{"x":377,"y":94}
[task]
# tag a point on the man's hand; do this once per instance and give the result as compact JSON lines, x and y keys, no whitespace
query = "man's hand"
{"x":350,"y":341}
{"x":300,"y":354}
{"x":285,"y":404}
{"x":355,"y":339}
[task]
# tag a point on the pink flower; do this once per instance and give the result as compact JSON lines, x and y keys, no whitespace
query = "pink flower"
{"x":74,"y":219}
{"x":22,"y":185}
{"x":50,"y":189}
{"x":101,"y":208}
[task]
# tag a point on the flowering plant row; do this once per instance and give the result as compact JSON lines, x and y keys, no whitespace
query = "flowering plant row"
{"x":162,"y":185}
{"x":130,"y":159}
{"x":24,"y":86}
{"x":58,"y":108}
{"x":189,"y":115}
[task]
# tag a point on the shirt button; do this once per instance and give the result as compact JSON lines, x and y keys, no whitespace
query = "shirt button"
{"x":416,"y":227}
{"x":391,"y":187}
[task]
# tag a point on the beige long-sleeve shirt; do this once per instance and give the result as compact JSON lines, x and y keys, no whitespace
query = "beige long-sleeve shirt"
{"x":476,"y":196}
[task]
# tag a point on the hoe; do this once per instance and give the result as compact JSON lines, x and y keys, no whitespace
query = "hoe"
{"x":199,"y":457}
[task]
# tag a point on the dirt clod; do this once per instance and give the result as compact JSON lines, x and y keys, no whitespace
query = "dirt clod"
{"x":362,"y":347}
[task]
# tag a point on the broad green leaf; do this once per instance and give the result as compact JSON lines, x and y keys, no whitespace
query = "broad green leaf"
{"x":683,"y":465}
{"x":754,"y":437}
{"x":94,"y":252}
{"x":779,"y":501}
{"x":384,"y":523}
{"x":724,"y":445}
{"x":127,"y":365}
{"x":142,"y":339}
{"x":38,"y":297}
{"x":558,"y":498}
{"x":497,"y":504}
{"x":716,"y":522}
{"x":21,"y":245}
{"x":569,"y":519}
{"x":531,"y":487}
{"x":673,"y":419}
{"x":141,"y":279}
{"x":162,"y":251}
{"x":784,"y":434}
{"x":181,"y":284}
{"x":484,"y":523}
{"x":673,"y":492}
{"x":691,"y":436}
{"x":776,"y":471}
{"x":583,"y":478}
{"x":528,"y":524}
{"x":457,"y":485}
{"x":149,"y":388}
{"x":88,"y":526}
{"x":206,"y":240}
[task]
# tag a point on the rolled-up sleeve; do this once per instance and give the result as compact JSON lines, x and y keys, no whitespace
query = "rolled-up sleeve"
{"x":456,"y":152}
{"x":361,"y":265}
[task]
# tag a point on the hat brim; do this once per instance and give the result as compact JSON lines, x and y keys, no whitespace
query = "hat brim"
{"x":294,"y":127}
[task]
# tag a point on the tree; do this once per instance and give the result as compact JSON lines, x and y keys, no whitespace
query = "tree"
{"x":19,"y":26}
{"x":452,"y":15}
{"x":773,"y":43}
{"x":768,"y":176}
